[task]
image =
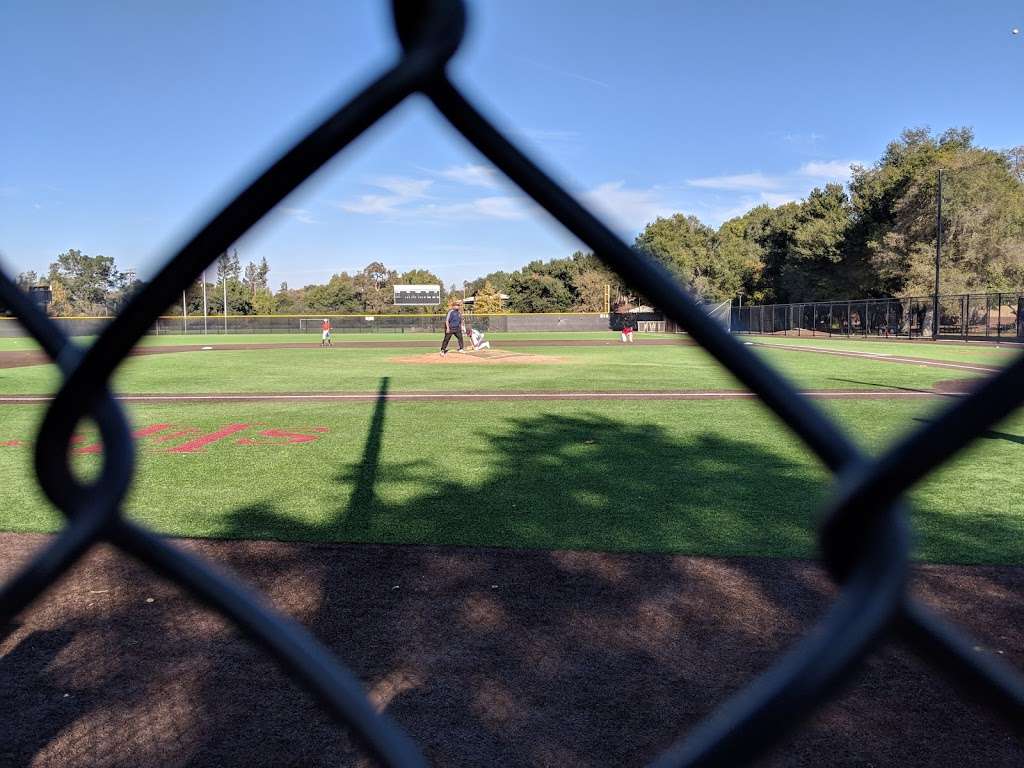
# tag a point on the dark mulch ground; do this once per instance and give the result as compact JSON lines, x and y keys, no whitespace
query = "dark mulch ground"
{"x":487,"y":657}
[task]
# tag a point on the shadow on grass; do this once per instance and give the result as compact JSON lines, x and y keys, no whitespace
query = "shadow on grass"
{"x":489,"y":657}
{"x":880,"y":384}
{"x":988,"y":434}
{"x":568,"y":482}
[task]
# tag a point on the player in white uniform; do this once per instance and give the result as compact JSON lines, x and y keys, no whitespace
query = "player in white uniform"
{"x":477,"y":339}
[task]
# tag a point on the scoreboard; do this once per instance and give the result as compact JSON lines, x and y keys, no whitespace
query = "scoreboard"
{"x":417,"y":295}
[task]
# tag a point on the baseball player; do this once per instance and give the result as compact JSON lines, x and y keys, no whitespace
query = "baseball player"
{"x":325,"y":333}
{"x":477,"y":339}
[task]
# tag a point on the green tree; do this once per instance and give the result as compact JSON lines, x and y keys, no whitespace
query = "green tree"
{"x":686,"y":247}
{"x":228,"y":267}
{"x":590,"y":288}
{"x":263,"y":302}
{"x":538,"y":293}
{"x":816,"y":264}
{"x":499,"y":281}
{"x":339,"y":295}
{"x":374,"y":287}
{"x":88,"y":280}
{"x":894,"y":204}
{"x":27,"y":280}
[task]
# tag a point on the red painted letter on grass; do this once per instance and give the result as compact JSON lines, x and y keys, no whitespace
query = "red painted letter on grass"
{"x":192,"y":446}
{"x":144,"y":432}
{"x":287,"y":438}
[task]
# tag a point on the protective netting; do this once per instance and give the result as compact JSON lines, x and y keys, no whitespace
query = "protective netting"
{"x":864,"y":540}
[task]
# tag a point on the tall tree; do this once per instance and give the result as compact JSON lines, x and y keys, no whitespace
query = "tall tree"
{"x":27,"y":280}
{"x":685,"y":246}
{"x":228,"y":267}
{"x":487,"y":301}
{"x":60,"y":302}
{"x":88,"y":280}
{"x":538,"y":293}
{"x":983,"y":214}
{"x":373,"y":285}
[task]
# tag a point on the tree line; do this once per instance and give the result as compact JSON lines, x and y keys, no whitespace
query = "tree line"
{"x":874,"y":237}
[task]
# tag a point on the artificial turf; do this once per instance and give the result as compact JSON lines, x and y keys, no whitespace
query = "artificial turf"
{"x":983,"y":354}
{"x":603,"y":368}
{"x":699,"y":477}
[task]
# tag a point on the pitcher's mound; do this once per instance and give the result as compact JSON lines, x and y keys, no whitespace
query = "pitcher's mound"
{"x":484,"y":356}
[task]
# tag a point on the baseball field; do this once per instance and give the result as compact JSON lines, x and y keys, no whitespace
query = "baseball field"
{"x":493,"y":539}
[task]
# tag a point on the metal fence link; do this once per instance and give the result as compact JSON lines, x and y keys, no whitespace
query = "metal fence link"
{"x":864,"y":538}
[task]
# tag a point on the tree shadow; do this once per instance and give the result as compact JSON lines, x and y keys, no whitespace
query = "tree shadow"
{"x":489,"y":655}
{"x":362,"y":501}
{"x":988,"y":434}
{"x":881,"y":385}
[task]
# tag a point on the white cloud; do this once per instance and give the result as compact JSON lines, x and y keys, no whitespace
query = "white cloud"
{"x":628,"y":208}
{"x":779,"y":198}
{"x":301,"y":215}
{"x":737,"y":182}
{"x":401,"y":189}
{"x":837,"y":170}
{"x":493,"y":207}
{"x":471,"y":175}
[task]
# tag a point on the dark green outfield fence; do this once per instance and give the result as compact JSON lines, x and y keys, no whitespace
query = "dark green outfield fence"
{"x":346,"y":324}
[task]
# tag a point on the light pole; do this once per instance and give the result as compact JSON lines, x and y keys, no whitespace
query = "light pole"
{"x":938,"y":256}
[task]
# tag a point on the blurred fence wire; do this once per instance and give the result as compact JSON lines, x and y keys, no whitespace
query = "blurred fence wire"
{"x":864,"y":541}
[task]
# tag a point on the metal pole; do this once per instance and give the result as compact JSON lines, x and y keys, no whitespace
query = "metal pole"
{"x":204,"y":302}
{"x":999,"y":315}
{"x":938,"y":256}
{"x":184,"y":315}
{"x":225,"y":280}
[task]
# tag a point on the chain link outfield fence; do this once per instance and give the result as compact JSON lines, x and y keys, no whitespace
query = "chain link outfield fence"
{"x":863,"y":538}
{"x":197,"y":325}
{"x":966,"y":316}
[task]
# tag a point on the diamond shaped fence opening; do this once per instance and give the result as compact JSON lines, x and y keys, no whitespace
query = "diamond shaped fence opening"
{"x":863,"y":540}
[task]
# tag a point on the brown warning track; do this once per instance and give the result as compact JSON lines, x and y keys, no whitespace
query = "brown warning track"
{"x":949,"y":389}
{"x":486,"y":657}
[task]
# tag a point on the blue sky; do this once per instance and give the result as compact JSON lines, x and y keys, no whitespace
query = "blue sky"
{"x":124,"y":124}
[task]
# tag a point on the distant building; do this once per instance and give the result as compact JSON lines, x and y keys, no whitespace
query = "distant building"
{"x":41,"y":295}
{"x":470,"y":300}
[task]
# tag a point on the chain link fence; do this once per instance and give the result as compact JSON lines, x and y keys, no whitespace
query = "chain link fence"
{"x":197,"y":325}
{"x":966,"y":316}
{"x":863,"y":538}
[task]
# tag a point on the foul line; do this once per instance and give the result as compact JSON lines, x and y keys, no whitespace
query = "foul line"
{"x":440,"y":396}
{"x":880,"y":356}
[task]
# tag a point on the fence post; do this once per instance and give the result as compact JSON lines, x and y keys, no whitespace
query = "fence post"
{"x":999,"y":316}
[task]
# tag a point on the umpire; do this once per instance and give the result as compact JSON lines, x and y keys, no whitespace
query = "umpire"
{"x":453,"y":327}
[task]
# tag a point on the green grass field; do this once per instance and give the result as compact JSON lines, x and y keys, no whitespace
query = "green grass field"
{"x":611,"y":368}
{"x":700,"y":477}
{"x":955,"y":353}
